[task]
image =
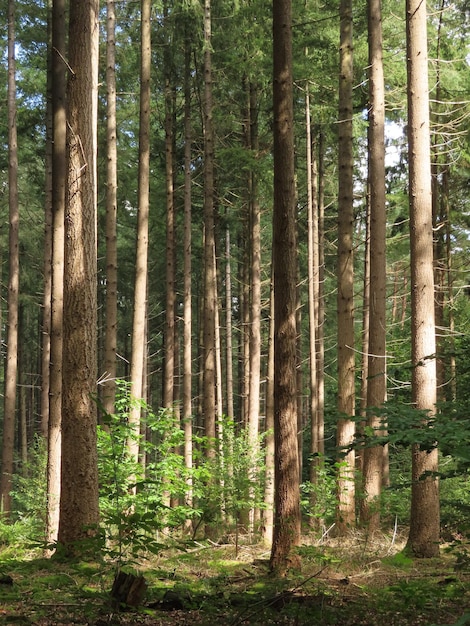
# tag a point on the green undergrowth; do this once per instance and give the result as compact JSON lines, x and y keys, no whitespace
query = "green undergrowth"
{"x":342,"y":584}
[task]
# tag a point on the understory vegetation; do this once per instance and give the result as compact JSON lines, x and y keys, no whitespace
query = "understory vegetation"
{"x":152,"y":533}
{"x":347,"y":582}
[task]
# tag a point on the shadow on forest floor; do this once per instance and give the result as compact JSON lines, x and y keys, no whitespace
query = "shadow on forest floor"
{"x":342,"y":583}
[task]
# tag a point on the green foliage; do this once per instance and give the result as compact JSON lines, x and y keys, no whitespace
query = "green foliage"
{"x":319,"y":498}
{"x":132,"y":501}
{"x":27,"y":523}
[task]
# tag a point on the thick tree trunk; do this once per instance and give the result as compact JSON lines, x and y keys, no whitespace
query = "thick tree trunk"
{"x":423,"y":540}
{"x":287,"y":497}
{"x":79,"y":514}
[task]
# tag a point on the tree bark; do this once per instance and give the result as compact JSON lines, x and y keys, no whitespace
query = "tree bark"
{"x":109,"y":386}
{"x":377,"y":381}
{"x":287,"y":498}
{"x":345,"y":512}
{"x":79,"y":514}
{"x":11,"y":367}
{"x":59,"y":180}
{"x":423,"y":540}
{"x":138,"y":355}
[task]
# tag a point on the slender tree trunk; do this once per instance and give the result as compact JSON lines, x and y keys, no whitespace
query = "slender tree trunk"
{"x":312,"y":246}
{"x":79,"y":513}
{"x":287,"y":498}
{"x":345,"y":514}
{"x":109,"y":387}
{"x":168,"y":377}
{"x":255,"y":305}
{"x":423,"y":540}
{"x":209,"y":380}
{"x":187,"y":297}
{"x":377,"y":385}
{"x":9,"y":414}
{"x":59,"y":180}
{"x":47,"y":259}
{"x":229,"y":329}
{"x":268,"y":513}
{"x":140,"y":284}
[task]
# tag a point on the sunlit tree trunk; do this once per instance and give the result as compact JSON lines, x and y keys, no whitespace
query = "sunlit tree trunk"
{"x":423,"y":540}
{"x":59,"y":180}
{"x":109,"y":386}
{"x":140,"y":285}
{"x":345,"y":512}
{"x":11,"y":368}
{"x":268,"y":512}
{"x":287,"y":497}
{"x":79,"y":513}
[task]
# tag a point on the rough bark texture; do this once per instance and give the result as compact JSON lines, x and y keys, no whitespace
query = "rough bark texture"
{"x":377,"y":383}
{"x":345,"y":514}
{"x":423,"y":539}
{"x":287,"y":506}
{"x":11,"y":365}
{"x":79,"y":489}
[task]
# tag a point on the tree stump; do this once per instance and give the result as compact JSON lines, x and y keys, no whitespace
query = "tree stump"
{"x":128,"y":589}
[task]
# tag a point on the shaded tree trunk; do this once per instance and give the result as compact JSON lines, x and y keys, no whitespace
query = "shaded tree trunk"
{"x":11,"y":368}
{"x":377,"y":381}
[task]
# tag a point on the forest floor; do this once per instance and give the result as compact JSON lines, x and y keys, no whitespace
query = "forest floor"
{"x":340,"y":583}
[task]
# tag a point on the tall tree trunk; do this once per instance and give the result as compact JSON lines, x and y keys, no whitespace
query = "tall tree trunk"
{"x":229,"y":326}
{"x":109,"y":387}
{"x":287,"y":498}
{"x":377,"y":384}
{"x":269,"y":486}
{"x":138,"y":353}
{"x":255,"y":304}
{"x":209,"y":380}
{"x":345,"y":513}
{"x":59,"y":180}
{"x":9,"y":414}
{"x":312,"y":251}
{"x":47,"y":259}
{"x":79,"y":513}
{"x":423,"y":540}
{"x":169,"y":367}
{"x":187,"y":297}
